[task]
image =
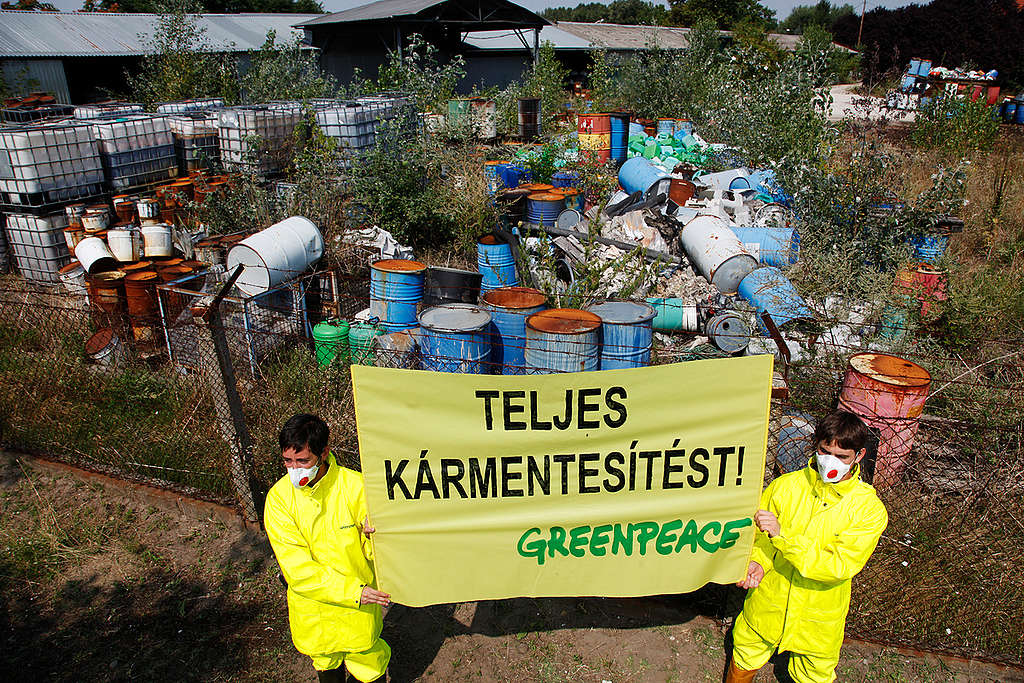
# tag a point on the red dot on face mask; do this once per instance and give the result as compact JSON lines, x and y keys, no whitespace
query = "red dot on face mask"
{"x":302,"y":482}
{"x":832,"y":474}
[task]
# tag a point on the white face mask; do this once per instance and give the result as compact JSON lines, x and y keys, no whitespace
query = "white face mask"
{"x":830,"y":468}
{"x":301,"y":476}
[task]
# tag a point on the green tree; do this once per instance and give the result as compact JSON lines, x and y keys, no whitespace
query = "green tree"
{"x":616,"y":12}
{"x":725,"y":13}
{"x":29,"y":6}
{"x":417,"y":70}
{"x":180,"y":64}
{"x":823,"y":14}
{"x":285,"y":71}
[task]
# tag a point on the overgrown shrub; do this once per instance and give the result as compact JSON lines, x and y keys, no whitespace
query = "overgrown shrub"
{"x":955,"y":125}
{"x":179,"y":63}
{"x":285,"y":71}
{"x":395,"y":185}
{"x":418,"y":71}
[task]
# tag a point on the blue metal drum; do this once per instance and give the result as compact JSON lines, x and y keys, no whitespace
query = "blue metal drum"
{"x":543,"y":208}
{"x":619,"y":135}
{"x":640,"y":175}
{"x":494,"y":174}
{"x":562,"y":340}
{"x":396,"y":288}
{"x":1009,"y":111}
{"x":771,"y":246}
{"x":767,"y":289}
{"x":495,"y":263}
{"x":626,"y":333}
{"x":565,"y":179}
{"x":509,"y":308}
{"x":929,"y":248}
{"x":455,"y":339}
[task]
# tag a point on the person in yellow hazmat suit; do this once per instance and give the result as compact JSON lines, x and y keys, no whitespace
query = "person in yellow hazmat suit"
{"x":818,"y":527}
{"x":318,"y":526}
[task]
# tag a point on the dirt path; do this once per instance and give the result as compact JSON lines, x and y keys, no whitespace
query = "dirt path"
{"x":98,"y":586}
{"x":847,"y":104}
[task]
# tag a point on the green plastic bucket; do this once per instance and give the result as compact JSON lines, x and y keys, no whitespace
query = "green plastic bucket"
{"x":361,"y":342}
{"x":331,"y":341}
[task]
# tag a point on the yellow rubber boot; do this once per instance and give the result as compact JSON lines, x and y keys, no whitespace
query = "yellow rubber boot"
{"x":738,"y":675}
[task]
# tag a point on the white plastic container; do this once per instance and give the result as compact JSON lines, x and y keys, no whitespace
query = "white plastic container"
{"x":157,"y":240}
{"x":59,"y":162}
{"x":717,"y":253}
{"x":148,"y":209}
{"x":275,"y":255}
{"x":125,"y":245}
{"x":94,"y":255}
{"x":724,"y":180}
{"x":95,"y":220}
{"x":72,"y":276}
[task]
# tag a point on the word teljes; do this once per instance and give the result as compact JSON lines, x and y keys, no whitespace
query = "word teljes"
{"x":581,"y":409}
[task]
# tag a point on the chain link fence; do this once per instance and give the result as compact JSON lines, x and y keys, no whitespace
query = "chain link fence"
{"x":194,"y":402}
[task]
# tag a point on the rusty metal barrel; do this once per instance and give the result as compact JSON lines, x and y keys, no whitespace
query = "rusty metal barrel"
{"x":143,"y":314}
{"x":888,"y":393}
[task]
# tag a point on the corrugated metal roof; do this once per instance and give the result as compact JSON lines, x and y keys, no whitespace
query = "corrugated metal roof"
{"x":103,"y":34}
{"x":382,"y":10}
{"x":628,"y":37}
{"x":575,"y":35}
{"x":507,"y":40}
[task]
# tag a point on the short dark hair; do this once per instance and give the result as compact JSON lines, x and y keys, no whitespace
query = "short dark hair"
{"x":844,"y":429}
{"x":304,"y":430}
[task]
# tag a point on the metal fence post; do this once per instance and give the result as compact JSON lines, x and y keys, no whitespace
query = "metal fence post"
{"x":219,"y":373}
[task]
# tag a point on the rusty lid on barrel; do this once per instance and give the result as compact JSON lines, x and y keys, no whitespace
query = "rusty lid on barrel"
{"x":142,"y":278}
{"x":537,"y":187}
{"x":546,"y":197}
{"x":174,"y":273}
{"x":515,"y":297}
{"x":99,"y":341}
{"x":397,"y":265}
{"x":137,"y":266}
{"x":564,"y":321}
{"x":890,"y":369}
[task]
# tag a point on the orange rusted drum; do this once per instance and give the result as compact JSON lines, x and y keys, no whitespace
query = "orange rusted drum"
{"x":562,"y":340}
{"x":106,"y":291}
{"x":140,"y":294}
{"x":396,"y":290}
{"x":509,"y":308}
{"x":888,"y":393}
{"x":681,"y":191}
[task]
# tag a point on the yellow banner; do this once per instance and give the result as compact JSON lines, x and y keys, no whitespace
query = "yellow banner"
{"x":612,"y":483}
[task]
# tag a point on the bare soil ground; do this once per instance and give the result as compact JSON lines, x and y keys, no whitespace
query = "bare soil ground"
{"x":98,"y":586}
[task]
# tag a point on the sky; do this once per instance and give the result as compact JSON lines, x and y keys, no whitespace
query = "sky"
{"x":782,"y":7}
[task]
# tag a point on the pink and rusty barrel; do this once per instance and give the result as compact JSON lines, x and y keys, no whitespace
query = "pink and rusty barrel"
{"x":888,"y":393}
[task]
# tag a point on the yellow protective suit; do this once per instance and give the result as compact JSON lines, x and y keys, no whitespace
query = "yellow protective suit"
{"x":828,"y":532}
{"x":316,"y":533}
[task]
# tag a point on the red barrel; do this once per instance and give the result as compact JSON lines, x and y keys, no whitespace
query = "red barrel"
{"x":888,"y":393}
{"x":595,"y":135}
